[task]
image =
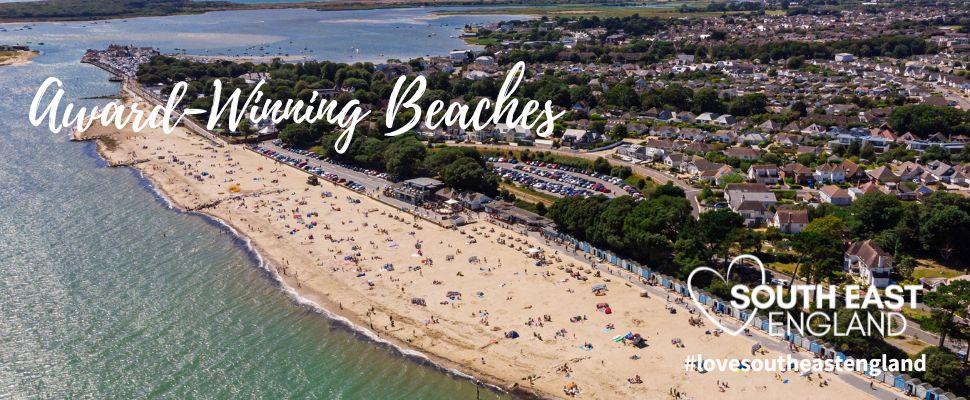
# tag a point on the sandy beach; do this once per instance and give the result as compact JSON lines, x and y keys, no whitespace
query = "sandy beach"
{"x":365,"y":261}
{"x":17,"y":57}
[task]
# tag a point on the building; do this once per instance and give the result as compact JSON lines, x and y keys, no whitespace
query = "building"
{"x":578,"y":138}
{"x":835,"y":195}
{"x":764,"y":173}
{"x":753,"y":201}
{"x":869,"y":262}
{"x":415,"y":191}
{"x":789,"y":221}
{"x":844,"y":57}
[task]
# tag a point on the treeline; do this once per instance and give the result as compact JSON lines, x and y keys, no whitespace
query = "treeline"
{"x":658,"y":231}
{"x":924,"y":120}
{"x":364,"y":82}
{"x":96,"y":9}
{"x":897,"y":46}
{"x":404,"y":157}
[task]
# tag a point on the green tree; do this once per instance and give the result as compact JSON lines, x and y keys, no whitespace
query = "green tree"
{"x":947,"y":302}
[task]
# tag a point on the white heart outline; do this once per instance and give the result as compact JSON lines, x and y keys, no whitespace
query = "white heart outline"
{"x":690,"y":289}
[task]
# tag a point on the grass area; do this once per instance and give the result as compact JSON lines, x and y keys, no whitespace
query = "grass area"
{"x":931,"y":269}
{"x":528,"y":194}
{"x":785,"y":268}
{"x":910,"y":345}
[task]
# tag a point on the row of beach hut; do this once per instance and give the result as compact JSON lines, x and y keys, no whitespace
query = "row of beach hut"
{"x":902,"y":382}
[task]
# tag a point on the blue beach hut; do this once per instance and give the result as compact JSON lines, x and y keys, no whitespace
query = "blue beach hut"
{"x":900,"y":382}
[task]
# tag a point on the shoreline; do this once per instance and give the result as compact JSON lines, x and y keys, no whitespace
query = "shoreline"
{"x":179,"y":167}
{"x":17,"y":57}
{"x":309,"y":300}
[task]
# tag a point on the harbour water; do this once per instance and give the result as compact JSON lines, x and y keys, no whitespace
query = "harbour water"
{"x":106,"y":292}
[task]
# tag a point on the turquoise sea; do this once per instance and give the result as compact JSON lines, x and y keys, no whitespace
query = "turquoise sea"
{"x":106,"y":292}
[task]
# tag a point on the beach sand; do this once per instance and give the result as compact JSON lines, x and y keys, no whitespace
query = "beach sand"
{"x":354,"y":236}
{"x":17,"y":57}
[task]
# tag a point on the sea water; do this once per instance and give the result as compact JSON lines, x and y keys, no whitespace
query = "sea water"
{"x":107,"y":292}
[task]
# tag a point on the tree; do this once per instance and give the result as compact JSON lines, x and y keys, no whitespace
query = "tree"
{"x":707,"y":100}
{"x":718,"y":228}
{"x":403,"y":156}
{"x":947,"y":302}
{"x":601,"y":165}
{"x":925,"y":120}
{"x":622,"y":95}
{"x":819,"y":247}
{"x":873,"y":213}
{"x":749,"y":104}
{"x":463,"y":174}
{"x":298,"y":135}
{"x":677,"y":96}
{"x":946,"y":229}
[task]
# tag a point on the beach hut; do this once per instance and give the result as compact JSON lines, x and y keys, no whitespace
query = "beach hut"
{"x":889,"y":378}
{"x":827,"y":350}
{"x":764,"y":325}
{"x":947,"y":396}
{"x":806,"y":342}
{"x":900,"y":382}
{"x":756,"y":322}
{"x":911,"y":385}
{"x":922,"y":390}
{"x":665,"y":282}
{"x":840,"y":356}
{"x":815,"y":347}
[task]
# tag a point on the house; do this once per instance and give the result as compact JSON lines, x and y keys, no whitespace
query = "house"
{"x":883,"y":175}
{"x":742,"y":153}
{"x":764,"y":173}
{"x":834,"y":195}
{"x":674,"y":160}
{"x":751,"y":200}
{"x":869,"y":262}
{"x":789,"y":220}
{"x":578,"y":138}
{"x":797,"y":173}
{"x":844,"y":57}
{"x":699,"y":166}
{"x":513,"y":134}
{"x":725,"y":120}
{"x":829,"y":173}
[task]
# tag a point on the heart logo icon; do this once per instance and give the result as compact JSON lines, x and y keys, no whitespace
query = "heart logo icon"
{"x":700,"y":306}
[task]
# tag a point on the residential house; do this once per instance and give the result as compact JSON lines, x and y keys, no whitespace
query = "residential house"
{"x":578,"y":138}
{"x":743,"y":153}
{"x":751,"y":200}
{"x":871,"y":263}
{"x":764,"y":173}
{"x":789,"y":220}
{"x":834,"y":195}
{"x":829,"y":173}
